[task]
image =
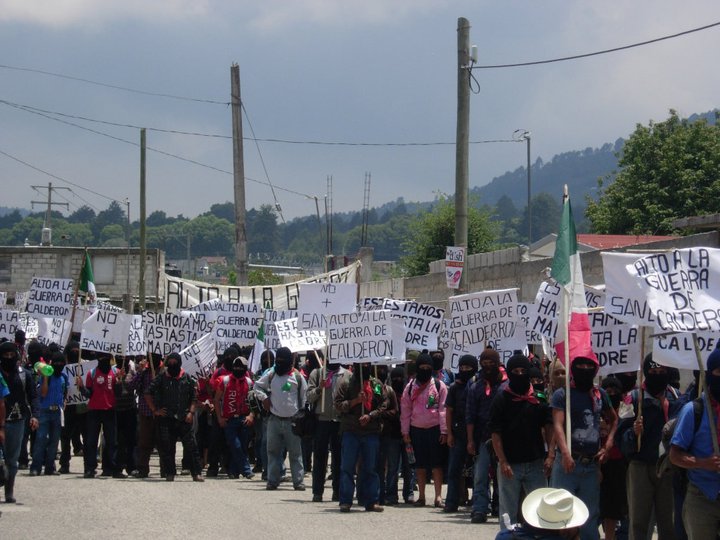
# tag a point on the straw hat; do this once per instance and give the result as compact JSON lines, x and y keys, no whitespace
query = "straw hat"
{"x":550,"y":508}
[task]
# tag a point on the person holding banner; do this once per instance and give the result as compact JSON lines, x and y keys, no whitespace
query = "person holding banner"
{"x":234,"y":416}
{"x":53,"y":390}
{"x":21,"y":404}
{"x":172,"y":398}
{"x":577,"y":468}
{"x":692,"y":448}
{"x":75,"y":418}
{"x":147,"y":426}
{"x":322,"y":385}
{"x":283,"y":391}
{"x":360,"y":401}
{"x":423,"y":424}
{"x":649,"y":493}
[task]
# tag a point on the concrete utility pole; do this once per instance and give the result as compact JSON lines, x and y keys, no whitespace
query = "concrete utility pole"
{"x":462,"y":138}
{"x":46,"y":238}
{"x":241,"y":257}
{"x":141,"y":281}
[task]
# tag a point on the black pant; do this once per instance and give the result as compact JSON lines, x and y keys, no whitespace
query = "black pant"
{"x":327,"y":439}
{"x":72,"y":430}
{"x":170,"y":430}
{"x":106,"y":419}
{"x":217,"y":450}
{"x":127,"y":437}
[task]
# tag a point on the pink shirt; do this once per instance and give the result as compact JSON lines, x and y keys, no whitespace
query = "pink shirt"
{"x":423,"y":406}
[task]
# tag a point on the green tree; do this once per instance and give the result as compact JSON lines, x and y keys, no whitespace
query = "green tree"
{"x":262,"y":231}
{"x":112,"y":233}
{"x":546,"y":212}
{"x":263,"y":276}
{"x":431,"y":232}
{"x":667,"y":171}
{"x":84,"y":214}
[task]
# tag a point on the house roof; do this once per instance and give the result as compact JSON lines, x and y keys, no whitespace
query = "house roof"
{"x":611,"y":241}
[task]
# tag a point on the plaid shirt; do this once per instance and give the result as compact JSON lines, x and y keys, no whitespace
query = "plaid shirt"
{"x":140,"y":383}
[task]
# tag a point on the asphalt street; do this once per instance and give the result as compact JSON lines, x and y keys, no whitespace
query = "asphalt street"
{"x":70,"y":506}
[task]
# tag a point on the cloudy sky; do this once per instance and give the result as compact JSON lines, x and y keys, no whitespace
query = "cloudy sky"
{"x":355,"y":71}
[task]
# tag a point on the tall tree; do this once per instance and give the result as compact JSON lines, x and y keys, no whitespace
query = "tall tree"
{"x":667,"y":171}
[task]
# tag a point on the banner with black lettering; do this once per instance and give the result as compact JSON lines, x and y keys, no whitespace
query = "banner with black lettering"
{"x":365,"y":336}
{"x":677,"y":349}
{"x":136,"y":345}
{"x":184,"y":293}
{"x":422,"y":321}
{"x":21,"y":299}
{"x":624,"y":298}
{"x":453,"y":351}
{"x":236,"y":324}
{"x":106,"y":332}
{"x":199,"y":358}
{"x":9,"y":323}
{"x":74,"y":397}
{"x":527,"y":315}
{"x":272,"y":316}
{"x":296,"y":340}
{"x":29,"y":325}
{"x":682,"y":288}
{"x":547,"y":307}
{"x":616,"y":344}
{"x":319,"y":300}
{"x":3,"y":298}
{"x":50,"y":297}
{"x":53,"y":331}
{"x":172,"y":332}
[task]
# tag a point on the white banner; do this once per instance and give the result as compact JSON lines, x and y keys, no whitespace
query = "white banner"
{"x":74,"y":397}
{"x":289,"y":336}
{"x":21,"y":299}
{"x":272,"y":316}
{"x":9,"y":323}
{"x":236,"y":323}
{"x":682,"y":288}
{"x":616,"y":344}
{"x":481,"y":319}
{"x":318,"y":300}
{"x":527,"y":315}
{"x":50,"y":297}
{"x":624,"y":298}
{"x":53,"y":331}
{"x":171,"y":332}
{"x":361,"y":337}
{"x":547,"y":304}
{"x":136,"y":345}
{"x":106,"y":332}
{"x":199,"y":359}
{"x":422,"y":321}
{"x":677,"y":350}
{"x":184,"y":293}
{"x":29,"y":325}
{"x":454,"y":263}
{"x":3,"y":298}
{"x":452,"y":350}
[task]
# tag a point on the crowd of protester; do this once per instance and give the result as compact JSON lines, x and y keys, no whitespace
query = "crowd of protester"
{"x":640,"y":456}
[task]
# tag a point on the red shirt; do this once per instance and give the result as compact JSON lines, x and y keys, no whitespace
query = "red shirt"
{"x":234,"y":395}
{"x":102,"y":386}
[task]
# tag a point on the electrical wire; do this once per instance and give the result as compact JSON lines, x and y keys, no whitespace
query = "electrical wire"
{"x":116,"y":87}
{"x":597,"y":53}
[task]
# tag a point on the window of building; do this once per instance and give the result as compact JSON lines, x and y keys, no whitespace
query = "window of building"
{"x":103,"y":269}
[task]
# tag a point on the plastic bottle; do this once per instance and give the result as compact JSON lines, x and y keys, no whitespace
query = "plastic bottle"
{"x":410,"y":453}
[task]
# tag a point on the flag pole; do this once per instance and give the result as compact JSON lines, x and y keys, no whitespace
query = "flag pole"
{"x":640,"y":385}
{"x":566,"y":310}
{"x":321,"y":378}
{"x":708,"y":405}
{"x":75,"y":297}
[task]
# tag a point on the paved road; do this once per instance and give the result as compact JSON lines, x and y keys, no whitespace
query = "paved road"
{"x":71,"y":507}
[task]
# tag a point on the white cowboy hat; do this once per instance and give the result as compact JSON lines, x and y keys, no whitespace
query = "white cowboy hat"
{"x":550,"y":508}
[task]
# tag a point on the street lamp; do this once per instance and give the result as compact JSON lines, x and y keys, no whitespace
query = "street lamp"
{"x":128,"y":297}
{"x":520,"y":135}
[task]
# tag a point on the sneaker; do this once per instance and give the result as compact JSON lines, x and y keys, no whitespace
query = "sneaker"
{"x":138,"y":474}
{"x":248,"y":476}
{"x":285,"y":478}
{"x":34,"y":472}
{"x":344,"y":507}
{"x":233,"y":476}
{"x":89,"y":474}
{"x":106,"y":473}
{"x":375,"y":508}
{"x":170,"y":477}
{"x":271,"y":487}
{"x":64,"y":470}
{"x":257,"y":468}
{"x":450,"y":509}
{"x":299,"y":487}
{"x":317,"y":498}
{"x":119,"y":475}
{"x":198,"y":478}
{"x":478,"y":517}
{"x":52,"y":473}
{"x":391,"y":502}
{"x":211,"y":473}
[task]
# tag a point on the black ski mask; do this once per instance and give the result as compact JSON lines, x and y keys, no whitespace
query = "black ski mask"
{"x":424,"y":369}
{"x":283,"y":361}
{"x":104,"y":364}
{"x":467,"y":360}
{"x":583,"y":378}
{"x":519,"y":382}
{"x":656,"y":383}
{"x":173,"y":364}
{"x":9,"y":358}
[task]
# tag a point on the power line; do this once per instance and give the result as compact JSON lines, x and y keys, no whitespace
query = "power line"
{"x":597,"y":53}
{"x":31,"y":109}
{"x":116,"y":87}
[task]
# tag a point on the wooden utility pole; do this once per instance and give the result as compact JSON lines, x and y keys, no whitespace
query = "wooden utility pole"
{"x":241,"y":262}
{"x":141,"y":282}
{"x":46,"y":237}
{"x":462,"y":138}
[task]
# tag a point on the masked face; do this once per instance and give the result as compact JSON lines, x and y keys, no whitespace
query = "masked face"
{"x":424,"y":374}
{"x":628,"y":381}
{"x":538,"y":385}
{"x":239,"y":373}
{"x":614,"y":397}
{"x":173,"y":369}
{"x":398,"y":385}
{"x":656,"y":381}
{"x":490,"y":369}
{"x":438,"y":361}
{"x":464,"y":375}
{"x":519,"y":380}
{"x":583,"y":375}
{"x":58,"y":368}
{"x":104,"y":365}
{"x":73,"y":355}
{"x":8,"y":363}
{"x":283,"y":366}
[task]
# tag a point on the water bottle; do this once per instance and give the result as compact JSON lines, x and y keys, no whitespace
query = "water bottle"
{"x":410,"y":453}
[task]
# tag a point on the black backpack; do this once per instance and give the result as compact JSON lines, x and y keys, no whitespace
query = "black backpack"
{"x":664,"y":466}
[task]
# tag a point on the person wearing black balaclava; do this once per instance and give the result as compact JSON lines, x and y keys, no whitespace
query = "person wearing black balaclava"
{"x":172,"y":398}
{"x":647,"y":492}
{"x":692,"y":448}
{"x":520,"y":425}
{"x":439,"y":371}
{"x":21,"y":406}
{"x":75,"y":416}
{"x":327,"y":432}
{"x":283,"y":392}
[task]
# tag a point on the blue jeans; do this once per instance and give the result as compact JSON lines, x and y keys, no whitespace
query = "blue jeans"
{"x":527,"y":476}
{"x":481,"y":480}
{"x":14,"y":432}
{"x":46,"y":441}
{"x":364,"y":448}
{"x":456,"y":463}
{"x":237,"y":436}
{"x":392,"y":455}
{"x":280,"y":438}
{"x":583,"y":482}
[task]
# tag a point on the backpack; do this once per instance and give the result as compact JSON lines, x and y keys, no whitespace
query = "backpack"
{"x":664,"y":465}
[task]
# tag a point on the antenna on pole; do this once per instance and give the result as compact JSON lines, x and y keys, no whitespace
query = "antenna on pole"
{"x":366,"y":211}
{"x":46,"y":234}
